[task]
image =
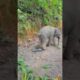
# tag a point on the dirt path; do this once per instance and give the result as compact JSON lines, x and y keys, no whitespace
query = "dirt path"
{"x":52,"y":57}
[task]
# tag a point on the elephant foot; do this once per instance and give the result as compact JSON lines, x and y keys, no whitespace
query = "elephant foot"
{"x":48,"y":45}
{"x":53,"y":44}
{"x":44,"y":47}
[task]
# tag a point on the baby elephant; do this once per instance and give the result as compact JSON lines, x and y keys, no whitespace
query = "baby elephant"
{"x":47,"y":34}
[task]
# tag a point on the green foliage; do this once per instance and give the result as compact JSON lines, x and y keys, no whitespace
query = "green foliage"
{"x":45,"y":78}
{"x":27,"y":72}
{"x":47,"y":66}
{"x":35,"y":13}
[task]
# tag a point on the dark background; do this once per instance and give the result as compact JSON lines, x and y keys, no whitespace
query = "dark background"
{"x":8,"y":39}
{"x":71,"y":39}
{"x":71,"y":28}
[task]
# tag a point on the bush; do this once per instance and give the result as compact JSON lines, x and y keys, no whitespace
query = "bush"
{"x":27,"y":72}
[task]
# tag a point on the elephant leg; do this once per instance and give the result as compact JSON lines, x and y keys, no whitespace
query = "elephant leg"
{"x":48,"y":44}
{"x":52,"y":41}
{"x":45,"y":42}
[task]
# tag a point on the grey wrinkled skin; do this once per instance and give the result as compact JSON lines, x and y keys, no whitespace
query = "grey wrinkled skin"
{"x":47,"y":36}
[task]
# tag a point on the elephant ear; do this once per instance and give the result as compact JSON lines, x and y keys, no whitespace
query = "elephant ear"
{"x":57,"y":33}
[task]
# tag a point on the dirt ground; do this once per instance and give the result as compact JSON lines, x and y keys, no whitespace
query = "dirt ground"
{"x":52,"y":57}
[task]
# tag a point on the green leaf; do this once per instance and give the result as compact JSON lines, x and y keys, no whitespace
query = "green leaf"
{"x":47,"y":66}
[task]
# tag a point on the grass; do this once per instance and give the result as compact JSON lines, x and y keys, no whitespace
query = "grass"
{"x":27,"y":72}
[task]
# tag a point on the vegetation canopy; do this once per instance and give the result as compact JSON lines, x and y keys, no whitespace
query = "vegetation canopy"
{"x":33,"y":14}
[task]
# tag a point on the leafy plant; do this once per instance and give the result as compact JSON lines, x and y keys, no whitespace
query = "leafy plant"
{"x":27,"y":72}
{"x":32,"y":14}
{"x":47,"y":66}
